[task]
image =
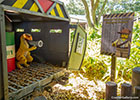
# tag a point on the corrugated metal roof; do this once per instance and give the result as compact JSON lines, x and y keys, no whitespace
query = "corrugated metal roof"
{"x":78,"y":18}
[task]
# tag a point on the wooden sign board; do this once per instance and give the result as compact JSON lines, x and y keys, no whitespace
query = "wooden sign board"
{"x":116,"y":34}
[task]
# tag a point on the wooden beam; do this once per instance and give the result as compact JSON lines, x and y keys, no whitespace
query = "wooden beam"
{"x":113,"y":67}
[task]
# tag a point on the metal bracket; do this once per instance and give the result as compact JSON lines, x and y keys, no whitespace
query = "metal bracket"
{"x":72,"y":26}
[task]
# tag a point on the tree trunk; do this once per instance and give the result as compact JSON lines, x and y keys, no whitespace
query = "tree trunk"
{"x":95,"y":18}
{"x":91,"y":25}
{"x":101,"y":11}
{"x":94,"y":11}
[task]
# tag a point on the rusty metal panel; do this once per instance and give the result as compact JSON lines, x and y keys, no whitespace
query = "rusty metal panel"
{"x":58,"y":10}
{"x":22,"y":4}
{"x":78,"y":49}
{"x":44,"y":6}
{"x":3,"y":63}
{"x":113,"y":25}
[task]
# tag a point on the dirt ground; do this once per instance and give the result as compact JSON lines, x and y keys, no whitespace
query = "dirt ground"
{"x":73,"y":86}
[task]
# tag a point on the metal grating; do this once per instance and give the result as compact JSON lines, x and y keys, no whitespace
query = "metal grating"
{"x":23,"y":81}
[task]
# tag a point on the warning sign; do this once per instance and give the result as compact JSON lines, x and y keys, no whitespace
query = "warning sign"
{"x":116,"y":34}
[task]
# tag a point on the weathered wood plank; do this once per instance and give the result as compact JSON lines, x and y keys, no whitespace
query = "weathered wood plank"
{"x":112,"y":24}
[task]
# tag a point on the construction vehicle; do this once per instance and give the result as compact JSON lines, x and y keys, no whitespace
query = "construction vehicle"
{"x":45,"y":20}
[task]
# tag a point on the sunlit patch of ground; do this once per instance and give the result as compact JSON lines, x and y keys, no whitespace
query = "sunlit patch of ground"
{"x":80,"y":88}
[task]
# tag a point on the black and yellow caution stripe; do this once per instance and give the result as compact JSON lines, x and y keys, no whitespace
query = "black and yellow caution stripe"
{"x":107,"y":53}
{"x":58,"y":10}
{"x":130,"y":14}
{"x":23,"y":4}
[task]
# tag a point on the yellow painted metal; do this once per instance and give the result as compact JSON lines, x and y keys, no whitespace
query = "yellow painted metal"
{"x":19,"y":3}
{"x":34,"y":7}
{"x":119,"y":15}
{"x":76,"y":57}
{"x":127,"y":14}
{"x":59,"y":10}
{"x":114,"y":15}
{"x":53,"y":12}
{"x":132,"y":14}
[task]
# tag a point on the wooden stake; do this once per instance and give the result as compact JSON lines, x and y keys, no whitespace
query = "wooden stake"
{"x":111,"y":90}
{"x":113,"y":67}
{"x":126,"y":90}
{"x":137,"y":91}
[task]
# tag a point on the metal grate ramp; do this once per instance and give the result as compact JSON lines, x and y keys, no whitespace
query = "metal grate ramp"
{"x":23,"y":81}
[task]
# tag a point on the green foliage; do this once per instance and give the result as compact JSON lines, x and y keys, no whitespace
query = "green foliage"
{"x":75,"y":7}
{"x":98,"y":66}
{"x":95,"y":66}
{"x":94,"y":34}
{"x":123,"y":6}
{"x":56,"y":31}
{"x":125,"y":66}
{"x":72,"y":32}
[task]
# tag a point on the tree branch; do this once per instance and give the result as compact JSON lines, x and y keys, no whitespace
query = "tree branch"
{"x":96,"y":4}
{"x":92,"y":3}
{"x":91,"y":25}
{"x":101,"y":11}
{"x":92,"y":7}
{"x":94,"y":11}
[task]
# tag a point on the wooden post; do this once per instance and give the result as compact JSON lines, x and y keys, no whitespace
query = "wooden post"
{"x":113,"y":67}
{"x":135,"y":77}
{"x":137,"y":91}
{"x":111,"y":90}
{"x":126,"y":90}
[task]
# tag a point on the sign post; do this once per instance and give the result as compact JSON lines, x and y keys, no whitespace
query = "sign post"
{"x":113,"y":67}
{"x":116,"y":37}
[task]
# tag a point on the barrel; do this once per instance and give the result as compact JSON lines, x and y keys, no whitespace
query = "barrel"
{"x":10,"y":48}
